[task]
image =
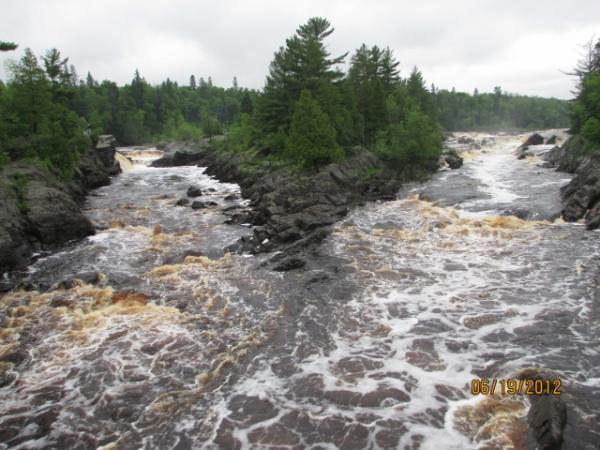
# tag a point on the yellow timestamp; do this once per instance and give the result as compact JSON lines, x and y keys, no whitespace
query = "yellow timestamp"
{"x":514,"y":386}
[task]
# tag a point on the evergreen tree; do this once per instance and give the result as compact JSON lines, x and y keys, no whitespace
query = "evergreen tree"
{"x":33,"y":125}
{"x":585,"y":118}
{"x":373,"y":74}
{"x":413,"y":142}
{"x":388,"y":70}
{"x":90,"y":82}
{"x":210,"y":126}
{"x":246,"y":104}
{"x":304,"y":63}
{"x":56,"y":68}
{"x":7,"y":46}
{"x":138,"y":87}
{"x":312,"y":138}
{"x":193,"y":82}
{"x":235,"y":83}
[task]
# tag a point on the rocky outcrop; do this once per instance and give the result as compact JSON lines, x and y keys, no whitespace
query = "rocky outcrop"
{"x":38,"y":211}
{"x":291,"y":211}
{"x":180,"y":154}
{"x":533,"y":139}
{"x":451,"y":159}
{"x":581,"y":197}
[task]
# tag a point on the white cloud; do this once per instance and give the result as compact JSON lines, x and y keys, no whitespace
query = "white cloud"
{"x":519,"y":45}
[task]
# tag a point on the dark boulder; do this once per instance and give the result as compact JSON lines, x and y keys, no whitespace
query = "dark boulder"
{"x":534,"y":139}
{"x":231,"y":197}
{"x":451,"y":159}
{"x":547,"y":414}
{"x":194,"y":191}
{"x":581,"y":197}
{"x":290,"y":235}
{"x":196,"y":204}
{"x":551,"y":140}
{"x":182,"y":202}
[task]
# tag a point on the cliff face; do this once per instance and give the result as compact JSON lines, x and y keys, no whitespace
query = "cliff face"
{"x":40,"y":212}
{"x":581,"y":197}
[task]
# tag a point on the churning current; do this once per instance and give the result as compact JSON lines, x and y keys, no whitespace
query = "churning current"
{"x":168,"y":342}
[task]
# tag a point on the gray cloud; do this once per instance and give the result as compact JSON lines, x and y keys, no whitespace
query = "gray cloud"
{"x":519,"y":45}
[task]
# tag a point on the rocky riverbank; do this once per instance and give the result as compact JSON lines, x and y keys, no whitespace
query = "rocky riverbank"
{"x":581,"y":197}
{"x":40,"y":212}
{"x":291,"y":211}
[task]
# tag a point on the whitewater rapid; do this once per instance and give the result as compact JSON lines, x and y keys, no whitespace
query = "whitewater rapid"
{"x":373,"y":344}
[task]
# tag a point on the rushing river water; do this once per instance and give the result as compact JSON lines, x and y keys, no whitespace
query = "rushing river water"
{"x":372,"y":345}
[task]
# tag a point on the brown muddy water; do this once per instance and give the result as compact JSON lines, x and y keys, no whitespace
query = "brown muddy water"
{"x":177,"y":345}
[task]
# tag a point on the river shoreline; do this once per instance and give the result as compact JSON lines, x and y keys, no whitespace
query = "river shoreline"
{"x":292,"y":212}
{"x":581,"y":197}
{"x":40,"y":212}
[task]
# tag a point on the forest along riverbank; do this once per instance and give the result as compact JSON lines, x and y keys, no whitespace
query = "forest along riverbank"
{"x":166,"y":341}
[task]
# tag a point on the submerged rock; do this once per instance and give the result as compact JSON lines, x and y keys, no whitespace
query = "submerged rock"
{"x":290,"y":263}
{"x":196,"y":204}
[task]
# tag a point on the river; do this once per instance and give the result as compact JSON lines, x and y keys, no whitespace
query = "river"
{"x":372,"y":345}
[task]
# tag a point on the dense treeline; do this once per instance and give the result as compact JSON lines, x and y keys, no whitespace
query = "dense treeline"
{"x":139,"y":112}
{"x":309,"y":113}
{"x":585,"y":119}
{"x":48,"y":114}
{"x":499,"y":111}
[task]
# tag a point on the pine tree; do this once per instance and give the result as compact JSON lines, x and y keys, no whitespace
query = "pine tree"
{"x":56,"y":68}
{"x":373,"y":74}
{"x":312,"y":138}
{"x":246,"y":104}
{"x":235,"y":83}
{"x":90,"y":82}
{"x":304,"y":63}
{"x":193,"y":82}
{"x":7,"y":46}
{"x":388,"y":70}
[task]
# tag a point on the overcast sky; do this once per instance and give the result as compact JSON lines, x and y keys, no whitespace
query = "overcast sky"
{"x":523,"y":46}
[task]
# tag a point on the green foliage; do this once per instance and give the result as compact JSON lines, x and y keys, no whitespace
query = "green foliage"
{"x":19,"y":185}
{"x":303,"y":64}
{"x":35,"y":123}
{"x":242,"y":134}
{"x":311,"y":141}
{"x":211,"y":126}
{"x":591,"y":130}
{"x":415,"y":140}
{"x":4,"y":159}
{"x":7,"y":46}
{"x":585,"y":118}
{"x":499,"y":110}
{"x":373,"y":75}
